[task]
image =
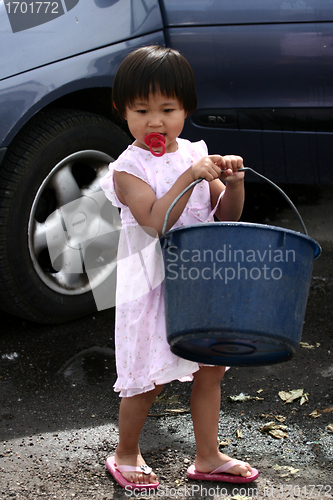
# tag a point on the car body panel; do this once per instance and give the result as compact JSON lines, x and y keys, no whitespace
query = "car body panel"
{"x":22,"y":98}
{"x":263,"y":70}
{"x":257,"y":96}
{"x":242,"y":66}
{"x":237,"y":12}
{"x":89,"y":25}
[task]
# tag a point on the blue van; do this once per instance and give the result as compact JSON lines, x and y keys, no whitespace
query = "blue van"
{"x":264,"y":72}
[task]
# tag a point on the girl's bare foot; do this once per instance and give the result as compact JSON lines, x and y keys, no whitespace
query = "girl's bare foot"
{"x":135,"y":461}
{"x":220,"y":459}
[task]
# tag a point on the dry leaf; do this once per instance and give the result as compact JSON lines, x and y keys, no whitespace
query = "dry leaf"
{"x":306,"y":345}
{"x":158,"y":398}
{"x":330,"y":427}
{"x":289,"y":397}
{"x":176,"y":410}
{"x":288,"y":469}
{"x":268,"y":426}
{"x":309,"y":346}
{"x":239,"y":434}
{"x":304,"y":399}
{"x":167,"y":400}
{"x":172,"y":399}
{"x":242,"y":397}
{"x":315,"y":414}
{"x":278,"y":434}
{"x":171,"y":411}
{"x":275,"y":430}
{"x":328,"y":410}
{"x":280,"y":418}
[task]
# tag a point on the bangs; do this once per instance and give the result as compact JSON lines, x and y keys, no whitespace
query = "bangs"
{"x":154,"y":70}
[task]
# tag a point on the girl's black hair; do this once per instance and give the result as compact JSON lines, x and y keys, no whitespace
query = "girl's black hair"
{"x":154,"y":69}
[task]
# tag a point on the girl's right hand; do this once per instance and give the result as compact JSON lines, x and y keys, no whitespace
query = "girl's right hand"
{"x":209,"y":168}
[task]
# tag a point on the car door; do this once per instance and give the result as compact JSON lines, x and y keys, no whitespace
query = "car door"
{"x":264,"y":80}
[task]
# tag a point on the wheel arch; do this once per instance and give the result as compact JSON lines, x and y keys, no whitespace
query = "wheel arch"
{"x":96,"y":100}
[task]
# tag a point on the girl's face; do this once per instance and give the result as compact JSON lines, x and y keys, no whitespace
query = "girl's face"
{"x":159,"y":114}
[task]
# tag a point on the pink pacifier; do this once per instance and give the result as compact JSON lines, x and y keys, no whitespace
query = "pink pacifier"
{"x":155,"y":140}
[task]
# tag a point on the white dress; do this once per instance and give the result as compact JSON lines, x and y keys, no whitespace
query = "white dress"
{"x":143,"y":356}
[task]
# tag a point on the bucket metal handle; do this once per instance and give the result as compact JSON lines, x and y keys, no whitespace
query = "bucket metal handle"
{"x":240,"y":170}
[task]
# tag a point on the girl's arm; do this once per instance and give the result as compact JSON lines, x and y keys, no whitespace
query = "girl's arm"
{"x":231,"y":204}
{"x":150,"y":211}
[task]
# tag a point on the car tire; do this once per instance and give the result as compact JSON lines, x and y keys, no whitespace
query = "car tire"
{"x":59,"y":157}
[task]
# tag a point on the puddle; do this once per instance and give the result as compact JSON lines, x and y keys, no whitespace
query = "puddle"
{"x":90,"y":366}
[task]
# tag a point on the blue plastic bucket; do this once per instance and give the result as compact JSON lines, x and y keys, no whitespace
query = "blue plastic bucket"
{"x":236,"y":293}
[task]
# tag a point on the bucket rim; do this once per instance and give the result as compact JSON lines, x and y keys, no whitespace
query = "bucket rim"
{"x":316,"y":245}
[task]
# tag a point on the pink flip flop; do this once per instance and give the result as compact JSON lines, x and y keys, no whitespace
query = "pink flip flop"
{"x":116,"y":473}
{"x":220,"y":474}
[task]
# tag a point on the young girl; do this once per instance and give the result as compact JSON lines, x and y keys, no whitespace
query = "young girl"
{"x":154,"y":91}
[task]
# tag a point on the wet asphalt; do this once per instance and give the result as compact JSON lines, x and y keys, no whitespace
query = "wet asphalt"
{"x":58,"y":411}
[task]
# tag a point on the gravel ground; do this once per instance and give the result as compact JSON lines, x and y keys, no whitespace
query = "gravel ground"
{"x":58,"y":413}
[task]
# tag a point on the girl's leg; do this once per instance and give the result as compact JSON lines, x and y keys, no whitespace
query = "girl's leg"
{"x":133,"y":412}
{"x":205,"y":408}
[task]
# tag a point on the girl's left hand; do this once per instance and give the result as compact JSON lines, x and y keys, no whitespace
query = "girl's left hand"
{"x":231,"y":164}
